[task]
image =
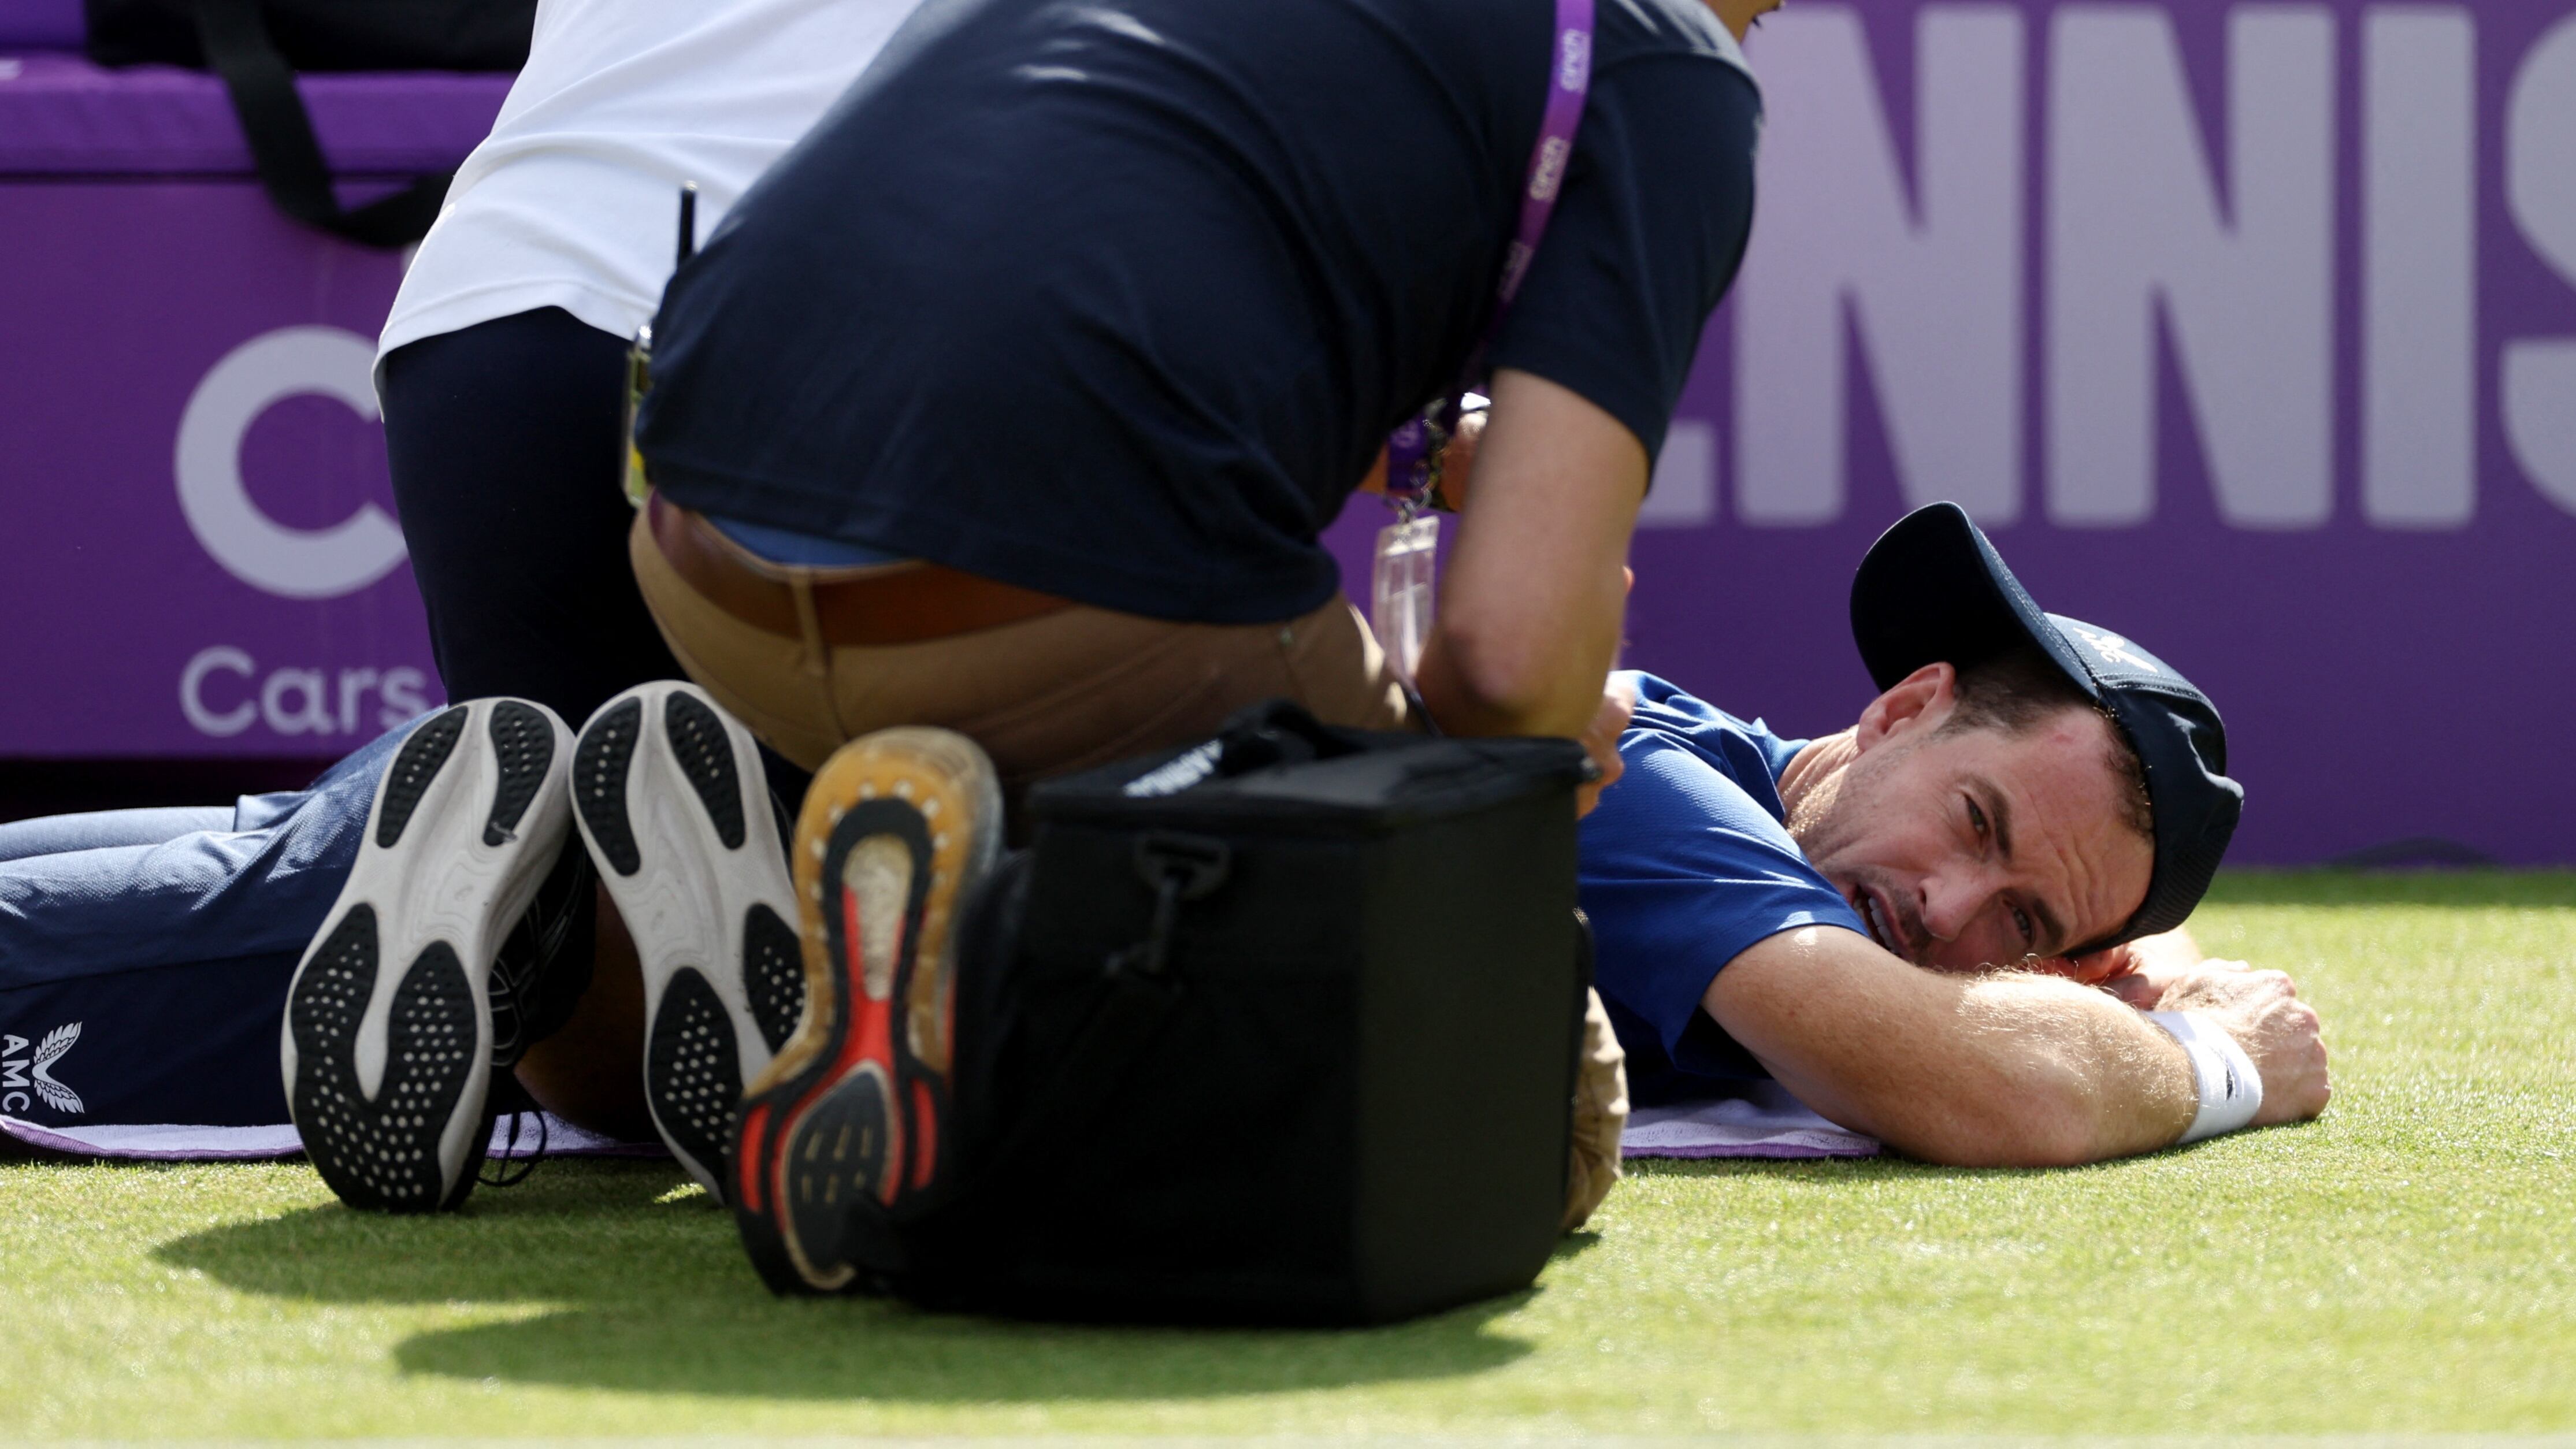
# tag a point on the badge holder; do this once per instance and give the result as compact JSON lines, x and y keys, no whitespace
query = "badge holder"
{"x":1404,"y":575}
{"x":1403,"y":589}
{"x":639,"y":361}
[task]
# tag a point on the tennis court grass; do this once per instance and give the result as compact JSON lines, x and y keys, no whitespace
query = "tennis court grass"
{"x":2406,"y":1265}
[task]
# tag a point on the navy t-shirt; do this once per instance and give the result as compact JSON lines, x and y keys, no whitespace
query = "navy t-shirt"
{"x":1686,"y":862}
{"x":1118,"y":299}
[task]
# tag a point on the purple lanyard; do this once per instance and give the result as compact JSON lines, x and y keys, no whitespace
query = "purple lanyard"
{"x":1412,"y":450}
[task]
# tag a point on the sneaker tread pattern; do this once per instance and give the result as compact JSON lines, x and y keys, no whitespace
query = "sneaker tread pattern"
{"x":773,"y":975}
{"x":704,"y":750}
{"x":693,"y":1070}
{"x":381,"y":1154}
{"x":415,"y":765}
{"x":840,"y":1149}
{"x":599,"y":767}
{"x":523,"y":745}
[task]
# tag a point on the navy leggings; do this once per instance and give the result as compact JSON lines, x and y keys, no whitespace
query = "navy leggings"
{"x":503,"y":439}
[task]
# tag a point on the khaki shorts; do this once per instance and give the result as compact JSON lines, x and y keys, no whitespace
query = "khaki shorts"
{"x":1045,"y":696}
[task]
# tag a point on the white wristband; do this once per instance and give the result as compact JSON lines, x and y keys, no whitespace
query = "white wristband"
{"x":2231,"y":1091}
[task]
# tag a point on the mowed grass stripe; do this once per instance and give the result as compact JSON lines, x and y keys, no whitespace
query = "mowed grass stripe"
{"x":2405,"y":1266}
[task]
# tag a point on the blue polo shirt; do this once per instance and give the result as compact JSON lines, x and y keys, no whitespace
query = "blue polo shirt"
{"x":1686,"y":863}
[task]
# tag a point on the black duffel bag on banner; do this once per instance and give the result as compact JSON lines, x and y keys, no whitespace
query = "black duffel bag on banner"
{"x":1287,"y":1034}
{"x":257,"y":46}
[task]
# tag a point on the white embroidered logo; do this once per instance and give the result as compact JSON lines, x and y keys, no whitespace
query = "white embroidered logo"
{"x":37,"y":1071}
{"x":2116,"y":650}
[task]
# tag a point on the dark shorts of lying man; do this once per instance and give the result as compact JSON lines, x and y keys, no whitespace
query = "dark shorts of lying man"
{"x":1954,"y":926}
{"x":1933,"y":927}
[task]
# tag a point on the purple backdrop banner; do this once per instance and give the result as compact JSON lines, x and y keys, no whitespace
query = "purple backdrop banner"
{"x":2249,"y":330}
{"x":197,"y":546}
{"x":198,"y":553}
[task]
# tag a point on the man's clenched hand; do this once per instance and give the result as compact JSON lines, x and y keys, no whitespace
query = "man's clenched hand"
{"x":2262,"y":1010}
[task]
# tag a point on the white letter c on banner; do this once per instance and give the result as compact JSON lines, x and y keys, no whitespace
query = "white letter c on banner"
{"x":295,"y":563}
{"x":192,"y":697}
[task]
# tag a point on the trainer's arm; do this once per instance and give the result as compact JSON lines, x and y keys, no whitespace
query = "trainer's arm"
{"x":2005,"y":1070}
{"x":1530,"y":612}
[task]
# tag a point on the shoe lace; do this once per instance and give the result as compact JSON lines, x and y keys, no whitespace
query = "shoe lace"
{"x":516,"y":1169}
{"x":536,"y":978}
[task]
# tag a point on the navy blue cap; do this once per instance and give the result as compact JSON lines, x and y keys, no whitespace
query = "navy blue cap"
{"x":1933,"y":590}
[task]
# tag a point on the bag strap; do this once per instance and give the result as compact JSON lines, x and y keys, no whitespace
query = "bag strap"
{"x":282,"y":146}
{"x":1277,"y":732}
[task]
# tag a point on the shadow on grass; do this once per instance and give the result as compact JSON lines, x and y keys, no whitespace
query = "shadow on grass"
{"x":2461,"y":889}
{"x":642,"y":1293}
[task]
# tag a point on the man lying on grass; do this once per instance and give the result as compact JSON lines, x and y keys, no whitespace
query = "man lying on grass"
{"x":2027,"y":792}
{"x":2029,"y":799}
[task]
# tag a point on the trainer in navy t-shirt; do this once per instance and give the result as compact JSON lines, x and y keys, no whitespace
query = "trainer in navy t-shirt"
{"x":1117,"y":299}
{"x":1686,"y":863}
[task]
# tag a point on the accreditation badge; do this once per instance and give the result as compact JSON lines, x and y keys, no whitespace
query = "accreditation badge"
{"x":1402,"y":587}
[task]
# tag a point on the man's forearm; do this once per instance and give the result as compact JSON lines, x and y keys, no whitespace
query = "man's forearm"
{"x":1530,"y":610}
{"x":1992,"y":1071}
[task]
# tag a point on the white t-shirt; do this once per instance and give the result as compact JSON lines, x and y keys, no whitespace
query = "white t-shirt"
{"x":573,"y":200}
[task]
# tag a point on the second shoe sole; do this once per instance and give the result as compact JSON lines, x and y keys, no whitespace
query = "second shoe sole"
{"x":673,"y":804}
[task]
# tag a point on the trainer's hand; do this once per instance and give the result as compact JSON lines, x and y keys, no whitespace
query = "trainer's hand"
{"x":2141,"y":971}
{"x":1457,"y":464}
{"x":2144,"y":982}
{"x":1458,"y":460}
{"x":2262,"y":1010}
{"x":1600,"y":740}
{"x":2135,"y":988}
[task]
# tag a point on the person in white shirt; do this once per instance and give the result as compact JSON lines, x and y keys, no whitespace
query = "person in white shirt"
{"x":502,"y":372}
{"x":502,"y":364}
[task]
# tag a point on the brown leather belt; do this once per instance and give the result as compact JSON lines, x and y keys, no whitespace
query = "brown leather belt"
{"x":904,"y":603}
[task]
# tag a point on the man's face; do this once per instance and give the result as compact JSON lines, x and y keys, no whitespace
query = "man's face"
{"x":1978,"y":847}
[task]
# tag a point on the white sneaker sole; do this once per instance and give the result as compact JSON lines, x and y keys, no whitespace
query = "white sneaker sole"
{"x":673,"y":804}
{"x":387,"y":1070}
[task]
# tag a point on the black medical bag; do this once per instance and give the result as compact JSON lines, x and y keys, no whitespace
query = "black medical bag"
{"x":1288,"y":1034}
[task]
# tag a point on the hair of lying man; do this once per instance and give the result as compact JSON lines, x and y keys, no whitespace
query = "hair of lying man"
{"x":2021,"y":689}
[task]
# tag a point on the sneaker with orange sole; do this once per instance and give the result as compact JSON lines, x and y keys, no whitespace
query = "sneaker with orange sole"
{"x":898,"y":831}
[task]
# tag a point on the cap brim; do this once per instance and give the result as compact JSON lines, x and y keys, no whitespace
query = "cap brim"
{"x":1933,"y":590}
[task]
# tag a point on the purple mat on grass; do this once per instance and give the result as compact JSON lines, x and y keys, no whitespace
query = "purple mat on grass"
{"x":1769,"y":1123}
{"x":62,"y":116}
{"x":1766,"y":1122}
{"x":248,"y":1144}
